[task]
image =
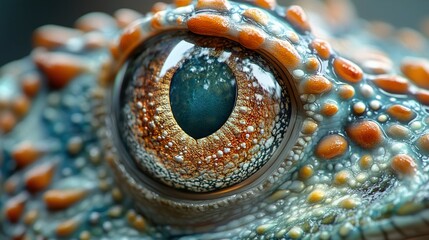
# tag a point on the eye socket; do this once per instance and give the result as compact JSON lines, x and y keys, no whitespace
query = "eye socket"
{"x":201,"y":113}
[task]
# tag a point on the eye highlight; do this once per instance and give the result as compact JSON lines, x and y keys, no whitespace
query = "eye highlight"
{"x":200,"y":113}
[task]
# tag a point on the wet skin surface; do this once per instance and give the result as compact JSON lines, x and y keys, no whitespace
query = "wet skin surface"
{"x":348,"y":135}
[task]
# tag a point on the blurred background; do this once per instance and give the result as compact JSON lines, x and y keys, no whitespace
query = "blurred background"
{"x":18,"y":18}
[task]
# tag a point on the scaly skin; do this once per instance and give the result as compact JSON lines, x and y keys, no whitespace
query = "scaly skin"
{"x":353,"y":163}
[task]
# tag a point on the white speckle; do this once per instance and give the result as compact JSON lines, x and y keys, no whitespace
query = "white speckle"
{"x":178,"y":158}
{"x":259,"y":97}
{"x":139,"y":105}
{"x":416,"y":125}
{"x":243,"y":109}
{"x":206,"y":86}
{"x":359,"y":107}
{"x":170,"y":144}
{"x":243,"y":145}
{"x":226,"y":150}
{"x":219,"y":154}
{"x":366,"y":90}
{"x":375,"y":105}
{"x":382,"y":118}
{"x":298,"y":73}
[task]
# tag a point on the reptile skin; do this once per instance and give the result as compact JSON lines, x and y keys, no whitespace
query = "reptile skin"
{"x":352,"y":162}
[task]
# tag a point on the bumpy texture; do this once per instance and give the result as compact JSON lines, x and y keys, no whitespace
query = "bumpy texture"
{"x":353,"y":163}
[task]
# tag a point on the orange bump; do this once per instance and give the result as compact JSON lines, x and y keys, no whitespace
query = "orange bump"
{"x":306,"y":172}
{"x":403,"y":164}
{"x":342,"y":177}
{"x":66,"y":228}
{"x":182,"y":3}
{"x":347,"y":70}
{"x":39,"y":177}
{"x":158,"y":7}
{"x":31,"y":84}
{"x":268,"y":4}
{"x":392,"y":84}
{"x":208,"y":24}
{"x":130,"y":38}
{"x":95,"y":21}
{"x":422,"y":96}
{"x":330,"y":108}
{"x":157,"y":21}
{"x":322,"y":48}
{"x":95,"y":40}
{"x":316,"y":84}
{"x":401,"y":113}
{"x":312,"y":64}
{"x":7,"y":121}
{"x":125,"y":16}
{"x":366,"y":134}
{"x":15,"y":207}
{"x":25,"y":154}
{"x":366,"y":161}
{"x":256,"y":15}
{"x":316,"y":196}
{"x":21,"y":105}
{"x":61,"y":199}
{"x":346,"y":92}
{"x":60,"y":68}
{"x":423,"y":142}
{"x":398,"y":131}
{"x":417,"y":70}
{"x":219,"y":5}
{"x":298,"y":18}
{"x":331,"y":146}
{"x":285,"y":53}
{"x":251,"y":37}
{"x":309,"y":127}
{"x":51,"y":36}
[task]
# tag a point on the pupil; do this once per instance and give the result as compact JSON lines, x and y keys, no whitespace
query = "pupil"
{"x":202,"y":95}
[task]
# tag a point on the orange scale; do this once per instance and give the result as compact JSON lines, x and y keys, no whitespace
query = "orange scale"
{"x":267,"y":4}
{"x":219,"y":5}
{"x":316,"y":84}
{"x":39,"y":177}
{"x":209,"y":24}
{"x":417,"y":70}
{"x":403,"y":164}
{"x":322,"y":48}
{"x":401,"y":113}
{"x":392,"y":83}
{"x":125,"y":16}
{"x":60,"y":68}
{"x":15,"y":207}
{"x":366,"y":134}
{"x":296,"y":16}
{"x":331,"y":146}
{"x":256,"y":15}
{"x":51,"y":36}
{"x":347,"y":70}
{"x":251,"y":37}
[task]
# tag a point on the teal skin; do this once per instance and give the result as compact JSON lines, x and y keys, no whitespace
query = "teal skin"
{"x":69,"y":125}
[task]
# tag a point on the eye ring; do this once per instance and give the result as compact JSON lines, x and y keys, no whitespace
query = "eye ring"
{"x":233,"y":196}
{"x":168,"y":206}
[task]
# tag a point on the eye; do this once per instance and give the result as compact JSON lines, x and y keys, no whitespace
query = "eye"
{"x":199,"y":113}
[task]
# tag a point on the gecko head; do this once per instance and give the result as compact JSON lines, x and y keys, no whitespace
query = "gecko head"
{"x":220,"y":105}
{"x":225,"y":119}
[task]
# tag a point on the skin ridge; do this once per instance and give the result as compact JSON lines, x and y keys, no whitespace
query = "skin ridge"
{"x":362,"y":137}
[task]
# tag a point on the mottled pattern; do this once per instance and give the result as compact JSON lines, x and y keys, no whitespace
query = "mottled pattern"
{"x":353,"y":162}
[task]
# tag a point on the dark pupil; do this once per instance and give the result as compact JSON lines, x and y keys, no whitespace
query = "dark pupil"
{"x":202,"y":95}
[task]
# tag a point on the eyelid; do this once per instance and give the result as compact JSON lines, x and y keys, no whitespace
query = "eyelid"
{"x":250,"y":26}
